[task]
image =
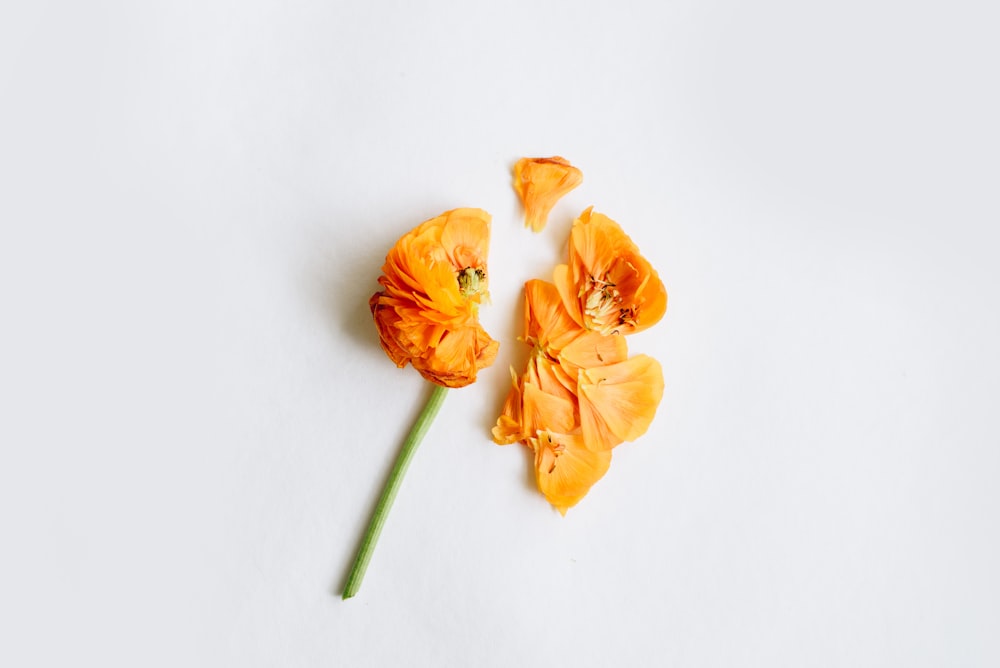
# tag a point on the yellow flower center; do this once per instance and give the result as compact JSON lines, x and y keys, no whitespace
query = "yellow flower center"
{"x":472,"y":282}
{"x":603,"y":306}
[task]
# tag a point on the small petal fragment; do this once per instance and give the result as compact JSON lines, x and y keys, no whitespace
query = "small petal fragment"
{"x":540,"y":183}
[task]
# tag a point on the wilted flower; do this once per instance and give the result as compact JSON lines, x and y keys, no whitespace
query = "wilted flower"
{"x":434,"y":279}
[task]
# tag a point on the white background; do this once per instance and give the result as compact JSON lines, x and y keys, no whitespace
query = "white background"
{"x":196,"y":418}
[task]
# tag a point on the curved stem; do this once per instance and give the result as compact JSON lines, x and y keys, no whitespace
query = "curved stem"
{"x":420,"y":427}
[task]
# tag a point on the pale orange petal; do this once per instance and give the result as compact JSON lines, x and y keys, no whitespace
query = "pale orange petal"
{"x":548,"y":324}
{"x":618,"y":401}
{"x":540,"y":183}
{"x":570,"y":290}
{"x":565,"y":470}
{"x":590,"y":349}
{"x":550,"y":377}
{"x":537,"y":401}
{"x":595,"y":240}
{"x":546,"y":412}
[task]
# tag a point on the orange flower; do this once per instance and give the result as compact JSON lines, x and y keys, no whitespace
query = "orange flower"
{"x":540,"y":183}
{"x":608,"y":286}
{"x":427,"y":313}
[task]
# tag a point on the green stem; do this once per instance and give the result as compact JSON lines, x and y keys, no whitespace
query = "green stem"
{"x":391,"y":489}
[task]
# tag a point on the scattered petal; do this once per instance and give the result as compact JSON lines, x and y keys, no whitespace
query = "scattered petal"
{"x":540,"y":183}
{"x":565,"y":470}
{"x":618,"y":401}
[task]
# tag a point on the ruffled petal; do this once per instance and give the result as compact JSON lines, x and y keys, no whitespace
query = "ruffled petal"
{"x":465,"y":236}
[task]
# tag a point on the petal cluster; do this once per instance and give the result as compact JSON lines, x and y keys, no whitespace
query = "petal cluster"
{"x":433,"y":281}
{"x":581,"y":394}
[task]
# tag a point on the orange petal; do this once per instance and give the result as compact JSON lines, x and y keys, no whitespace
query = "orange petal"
{"x":565,"y":470}
{"x":546,"y":412}
{"x":386,"y":321}
{"x":570,"y":290}
{"x":590,"y":349}
{"x":509,"y":428}
{"x":537,"y":401}
{"x":546,"y":320}
{"x":540,"y":183}
{"x":552,"y":378}
{"x":461,"y":352}
{"x":486,"y":348}
{"x":618,"y":401}
{"x":465,"y":237}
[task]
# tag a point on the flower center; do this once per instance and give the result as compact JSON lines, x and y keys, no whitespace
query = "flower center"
{"x":603,"y":306}
{"x":471,"y":282}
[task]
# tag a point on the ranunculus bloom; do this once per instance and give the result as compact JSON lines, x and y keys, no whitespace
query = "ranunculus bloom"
{"x":433,"y":281}
{"x":608,"y":286}
{"x":540,"y":183}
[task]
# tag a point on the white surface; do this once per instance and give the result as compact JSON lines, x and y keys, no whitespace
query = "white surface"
{"x":195,"y":201}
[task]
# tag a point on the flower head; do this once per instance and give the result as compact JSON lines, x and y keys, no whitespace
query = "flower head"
{"x":433,"y":281}
{"x":608,"y":286}
{"x":540,"y":183}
